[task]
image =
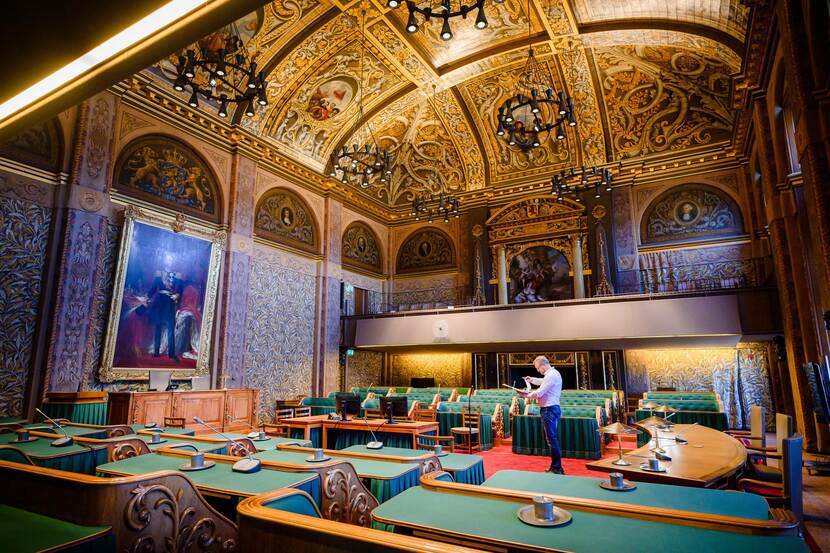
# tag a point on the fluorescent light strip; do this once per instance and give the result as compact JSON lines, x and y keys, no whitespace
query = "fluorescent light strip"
{"x":162,"y":17}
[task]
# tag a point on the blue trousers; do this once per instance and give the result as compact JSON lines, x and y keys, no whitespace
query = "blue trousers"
{"x":550,"y":423}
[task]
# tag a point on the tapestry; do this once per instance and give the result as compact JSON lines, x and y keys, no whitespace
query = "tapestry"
{"x":39,"y":146}
{"x":283,"y":217}
{"x":539,"y":273}
{"x":162,"y":170}
{"x":360,"y":248}
{"x":427,"y":249}
{"x":24,"y":235}
{"x":688,"y":212}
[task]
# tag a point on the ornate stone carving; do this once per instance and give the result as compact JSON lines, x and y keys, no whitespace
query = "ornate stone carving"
{"x":98,"y":138}
{"x":360,"y":248}
{"x":130,"y":123}
{"x":428,"y":249}
{"x":690,"y":211}
{"x":162,"y":170}
{"x":283,"y":217}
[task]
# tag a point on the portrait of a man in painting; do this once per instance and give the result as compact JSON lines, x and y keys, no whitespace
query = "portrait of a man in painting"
{"x":424,"y":249}
{"x":687,"y":212}
{"x":539,"y":273}
{"x":162,"y":305}
{"x":361,"y":244}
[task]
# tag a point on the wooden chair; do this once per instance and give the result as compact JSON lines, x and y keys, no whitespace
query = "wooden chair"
{"x":428,"y":442}
{"x":302,"y":411}
{"x":372,"y":413}
{"x":757,"y":467}
{"x":424,"y":415}
{"x":277,"y":429}
{"x":756,"y":436}
{"x":470,"y":429}
{"x":174,"y":422}
{"x":788,"y":493}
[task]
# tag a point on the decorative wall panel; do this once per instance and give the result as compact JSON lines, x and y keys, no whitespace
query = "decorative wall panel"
{"x":103,"y":300}
{"x":365,"y":369}
{"x":24,"y":234}
{"x":429,"y":249}
{"x":39,"y":146}
{"x":692,"y":211}
{"x":739,"y":375}
{"x":283,"y":217}
{"x":165,"y":171}
{"x":361,"y":249}
{"x":448,"y":369}
{"x":729,"y":266}
{"x":280,"y":333}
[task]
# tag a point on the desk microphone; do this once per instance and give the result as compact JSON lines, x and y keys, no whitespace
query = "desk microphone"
{"x":680,"y":440}
{"x":60,"y":442}
{"x":375,"y":443}
{"x":246,"y":465}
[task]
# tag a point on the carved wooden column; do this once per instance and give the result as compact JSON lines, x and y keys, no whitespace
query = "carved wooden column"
{"x":236,"y":271}
{"x":83,"y":244}
{"x":787,"y":251}
{"x":578,"y":269}
{"x":502,"y":275}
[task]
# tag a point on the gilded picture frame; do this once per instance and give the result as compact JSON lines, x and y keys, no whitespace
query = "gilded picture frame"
{"x":136,"y":218}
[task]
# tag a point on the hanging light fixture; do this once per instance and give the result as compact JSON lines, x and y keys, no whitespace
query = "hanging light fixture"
{"x":444,"y":12}
{"x":365,"y":158}
{"x":220,"y":69}
{"x":536,"y":109}
{"x":574,"y":182}
{"x":430,"y":206}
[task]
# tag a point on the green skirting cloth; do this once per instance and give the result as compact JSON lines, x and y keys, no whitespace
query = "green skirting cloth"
{"x":316,"y":436}
{"x":473,"y":474}
{"x":72,"y":458}
{"x":83,"y":413}
{"x":322,"y":410}
{"x":578,"y":437}
{"x":386,"y":489}
{"x":713,"y":419}
{"x":447,"y":420}
{"x":25,"y":531}
{"x":341,"y":439}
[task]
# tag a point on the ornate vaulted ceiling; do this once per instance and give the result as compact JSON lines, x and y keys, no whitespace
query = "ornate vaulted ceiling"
{"x":648,"y":77}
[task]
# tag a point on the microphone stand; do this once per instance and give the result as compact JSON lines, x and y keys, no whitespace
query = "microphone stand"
{"x":60,"y":442}
{"x":469,"y":422}
{"x":375,"y":443}
{"x":246,"y":465}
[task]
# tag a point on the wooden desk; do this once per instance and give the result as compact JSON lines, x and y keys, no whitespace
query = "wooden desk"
{"x":706,"y":461}
{"x":307,"y":428}
{"x":228,"y":410}
{"x":379,"y":426}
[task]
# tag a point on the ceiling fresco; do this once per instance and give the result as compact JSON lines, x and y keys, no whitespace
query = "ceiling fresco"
{"x":647,"y":77}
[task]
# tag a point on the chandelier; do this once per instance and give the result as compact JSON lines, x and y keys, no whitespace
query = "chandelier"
{"x":364,"y":158}
{"x":430,"y":206}
{"x":536,"y":109}
{"x":444,"y":12}
{"x":573,"y":182}
{"x":219,"y":69}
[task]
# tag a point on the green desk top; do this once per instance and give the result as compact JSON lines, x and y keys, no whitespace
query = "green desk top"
{"x":495,"y":519}
{"x":42,"y":448}
{"x":71,"y":430}
{"x":365,"y":468}
{"x":220,"y":477}
{"x":451,"y":462}
{"x":24,"y":531}
{"x":270,"y":443}
{"x":182,"y":431}
{"x":12,"y":420}
{"x":699,"y":500}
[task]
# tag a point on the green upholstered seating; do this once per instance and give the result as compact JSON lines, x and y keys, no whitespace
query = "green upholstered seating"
{"x":578,"y":436}
{"x":690,"y":404}
{"x":320,"y":405}
{"x":657,"y":396}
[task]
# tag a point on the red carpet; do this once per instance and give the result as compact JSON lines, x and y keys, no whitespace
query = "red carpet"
{"x":503,"y":458}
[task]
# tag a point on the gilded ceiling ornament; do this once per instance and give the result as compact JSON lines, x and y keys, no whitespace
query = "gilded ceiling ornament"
{"x":278,"y":17}
{"x":383,"y":35}
{"x":663,"y":99}
{"x":448,"y":109}
{"x":577,"y":73}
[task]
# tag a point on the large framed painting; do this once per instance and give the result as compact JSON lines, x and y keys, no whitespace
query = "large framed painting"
{"x":164,"y":296}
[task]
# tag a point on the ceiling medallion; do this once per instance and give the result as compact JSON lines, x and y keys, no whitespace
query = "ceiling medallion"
{"x":429,"y":206}
{"x":536,"y":109}
{"x":220,"y":69}
{"x":573,"y":182}
{"x":444,"y":12}
{"x":365,"y":158}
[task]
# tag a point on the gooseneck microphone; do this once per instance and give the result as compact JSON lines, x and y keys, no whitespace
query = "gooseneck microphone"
{"x":60,"y":442}
{"x":375,"y":443}
{"x":246,"y":465}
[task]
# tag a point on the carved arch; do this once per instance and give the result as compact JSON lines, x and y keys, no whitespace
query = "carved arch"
{"x":361,"y":248}
{"x":166,"y":171}
{"x":284,"y":217}
{"x":426,"y":249}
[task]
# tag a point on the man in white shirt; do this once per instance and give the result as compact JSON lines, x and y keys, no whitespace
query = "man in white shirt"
{"x":550,"y":388}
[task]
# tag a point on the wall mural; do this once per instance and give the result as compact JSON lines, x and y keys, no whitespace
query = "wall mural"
{"x":162,"y":170}
{"x":39,"y":146}
{"x":663,"y":99}
{"x":539,"y":273}
{"x":279,"y":338}
{"x":360,"y":248}
{"x":690,"y":212}
{"x":426,"y":250}
{"x":24,"y":235}
{"x":283,"y":217}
